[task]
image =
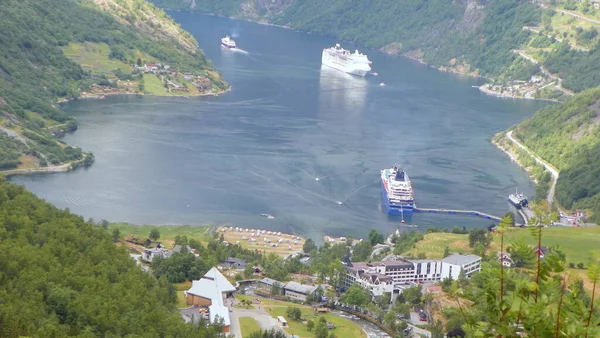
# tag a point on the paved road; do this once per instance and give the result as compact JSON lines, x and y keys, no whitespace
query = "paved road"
{"x":548,"y":167}
{"x":572,"y":14}
{"x":414,"y":321}
{"x":575,"y":47}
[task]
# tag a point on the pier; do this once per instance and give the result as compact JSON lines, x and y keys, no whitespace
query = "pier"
{"x":458,"y":211}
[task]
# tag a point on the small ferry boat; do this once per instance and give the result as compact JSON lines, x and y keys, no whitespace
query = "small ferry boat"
{"x":518,"y":200}
{"x":269,"y":216}
{"x":228,"y":42}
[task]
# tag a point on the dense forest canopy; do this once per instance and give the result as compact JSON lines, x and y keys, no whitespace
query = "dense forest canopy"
{"x":61,"y":276}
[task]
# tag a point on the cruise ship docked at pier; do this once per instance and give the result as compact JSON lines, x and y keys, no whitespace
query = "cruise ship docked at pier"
{"x":396,"y":191}
{"x":342,"y":59}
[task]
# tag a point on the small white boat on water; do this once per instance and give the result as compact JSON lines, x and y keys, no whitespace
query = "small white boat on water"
{"x":228,"y":42}
{"x":269,"y":216}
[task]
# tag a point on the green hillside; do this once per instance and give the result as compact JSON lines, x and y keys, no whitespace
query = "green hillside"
{"x":568,"y":136}
{"x":57,"y":49}
{"x":503,"y":40}
{"x":64,"y":277}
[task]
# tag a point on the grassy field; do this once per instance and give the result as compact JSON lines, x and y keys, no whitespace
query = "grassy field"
{"x":180,"y":287}
{"x":433,"y":245}
{"x":154,"y":86}
{"x":248,"y":325}
{"x":94,"y":57}
{"x":344,"y":327}
{"x":579,"y":244}
{"x":167,"y":232}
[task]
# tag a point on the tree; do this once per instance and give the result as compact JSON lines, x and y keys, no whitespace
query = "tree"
{"x":310,"y":325}
{"x":181,"y":240}
{"x":521,"y":254}
{"x":390,"y":319}
{"x":139,"y":62}
{"x":479,"y":236}
{"x":362,"y":251}
{"x":320,"y":329}
{"x":154,"y":234}
{"x":356,"y":295}
{"x":293,"y":313}
{"x":413,"y":294}
{"x":116,"y":235}
{"x":309,"y":246}
{"x":248,"y":271}
{"x":104,"y":224}
{"x":446,"y":252}
{"x":375,"y":237}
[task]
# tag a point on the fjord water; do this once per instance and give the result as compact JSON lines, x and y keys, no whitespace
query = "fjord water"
{"x":293,"y":140}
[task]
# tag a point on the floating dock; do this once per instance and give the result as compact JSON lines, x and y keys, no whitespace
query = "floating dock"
{"x":457,"y":211}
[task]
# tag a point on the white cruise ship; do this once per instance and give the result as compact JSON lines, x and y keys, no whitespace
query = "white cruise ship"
{"x":228,"y":42}
{"x":342,"y":59}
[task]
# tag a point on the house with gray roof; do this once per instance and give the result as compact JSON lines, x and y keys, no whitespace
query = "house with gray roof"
{"x":453,"y":264}
{"x":298,"y":291}
{"x":233,"y":263}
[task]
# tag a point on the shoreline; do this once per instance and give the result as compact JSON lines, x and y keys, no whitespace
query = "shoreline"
{"x":513,"y":157}
{"x":490,"y":92}
{"x":42,"y":170}
{"x":104,"y":96}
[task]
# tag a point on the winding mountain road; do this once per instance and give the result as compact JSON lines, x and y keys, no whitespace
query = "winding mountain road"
{"x":548,"y":167}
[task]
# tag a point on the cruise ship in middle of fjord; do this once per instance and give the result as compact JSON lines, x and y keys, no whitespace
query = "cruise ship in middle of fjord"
{"x":396,"y":191}
{"x":342,"y":59}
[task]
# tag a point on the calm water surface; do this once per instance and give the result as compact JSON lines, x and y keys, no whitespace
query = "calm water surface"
{"x":261,"y":147}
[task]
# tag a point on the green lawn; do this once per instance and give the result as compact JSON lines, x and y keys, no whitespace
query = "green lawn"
{"x":433,"y":245}
{"x":94,"y":57}
{"x":343,"y":327}
{"x":154,"y":86}
{"x":180,"y":287}
{"x":167,"y":232}
{"x":579,"y":244}
{"x":248,"y":325}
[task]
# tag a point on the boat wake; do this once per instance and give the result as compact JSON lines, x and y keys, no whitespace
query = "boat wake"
{"x":238,"y":50}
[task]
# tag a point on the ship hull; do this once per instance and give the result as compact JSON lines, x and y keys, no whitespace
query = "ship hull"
{"x":227,"y":45}
{"x":394,"y":208}
{"x":516,"y":205}
{"x":350,"y":68}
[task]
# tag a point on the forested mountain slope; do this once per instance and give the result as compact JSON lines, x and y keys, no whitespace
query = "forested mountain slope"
{"x":469,"y":36}
{"x":504,"y":40}
{"x":568,"y":136}
{"x":63,"y":277}
{"x":53,"y":49}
